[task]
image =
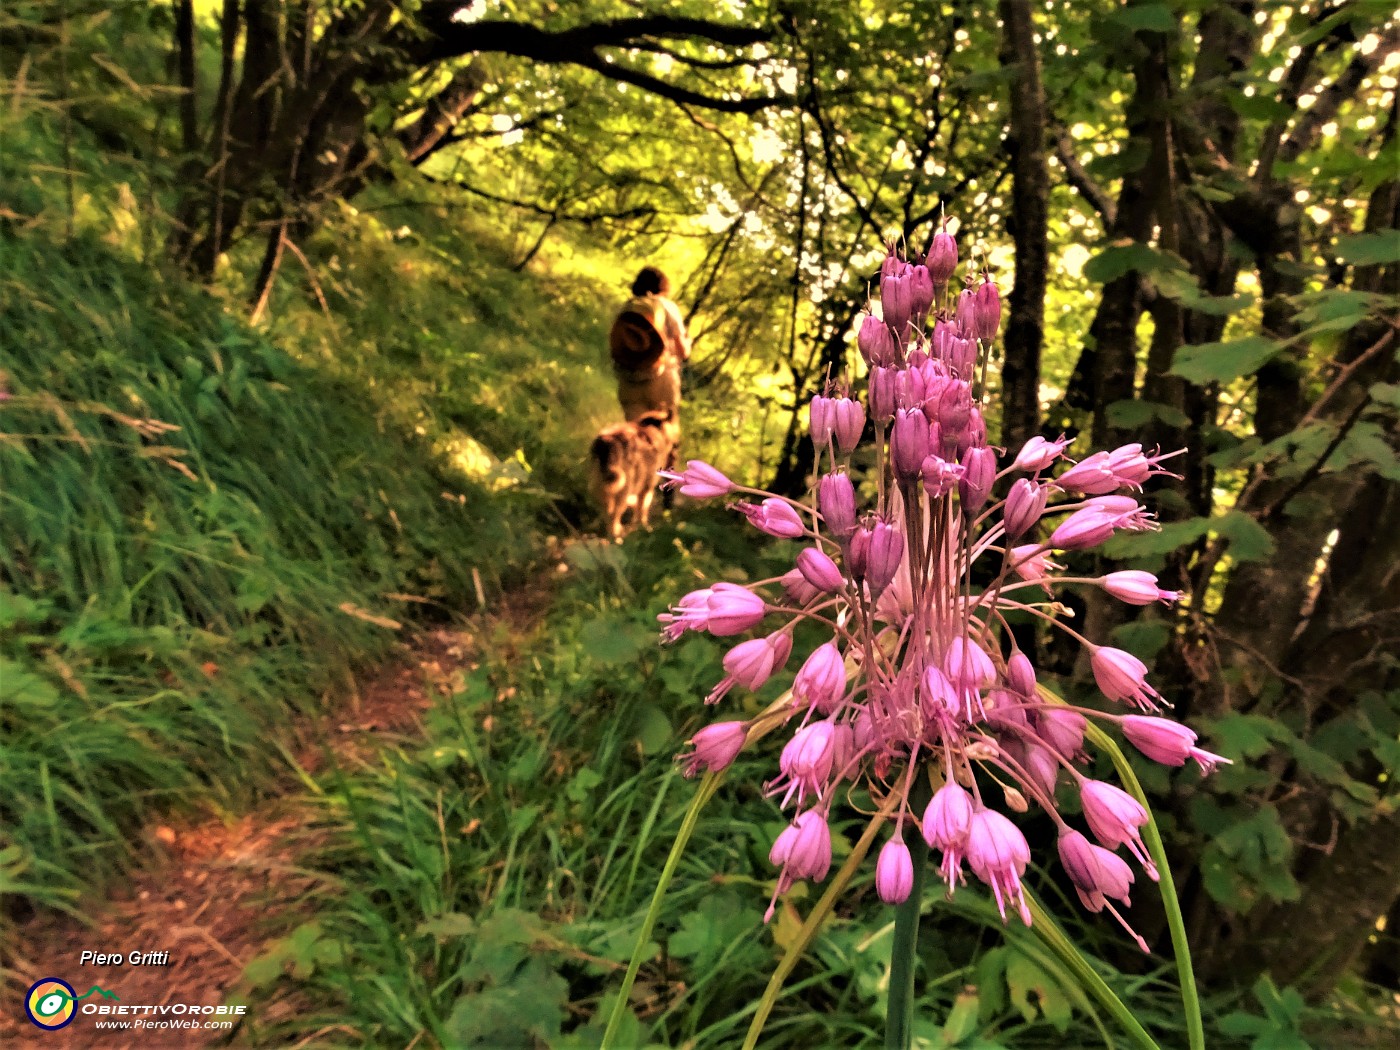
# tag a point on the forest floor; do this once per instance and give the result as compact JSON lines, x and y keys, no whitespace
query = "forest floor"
{"x":219,"y":890}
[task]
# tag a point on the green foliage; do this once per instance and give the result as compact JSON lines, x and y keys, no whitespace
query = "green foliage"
{"x":198,"y":535}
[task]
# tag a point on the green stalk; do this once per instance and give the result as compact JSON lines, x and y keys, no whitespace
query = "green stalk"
{"x":708,"y":786}
{"x":1044,"y":927}
{"x":1190,"y":998}
{"x":899,"y":1016}
{"x":899,"y":1006}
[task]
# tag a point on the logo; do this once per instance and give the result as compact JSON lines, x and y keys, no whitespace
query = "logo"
{"x":50,"y":1003}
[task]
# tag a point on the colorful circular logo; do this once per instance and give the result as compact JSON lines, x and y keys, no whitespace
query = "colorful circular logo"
{"x":50,"y":1003}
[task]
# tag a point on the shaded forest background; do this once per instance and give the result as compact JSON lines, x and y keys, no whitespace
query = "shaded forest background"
{"x":415,"y":217}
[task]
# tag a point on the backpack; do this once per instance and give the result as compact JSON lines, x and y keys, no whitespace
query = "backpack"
{"x":635,"y":341}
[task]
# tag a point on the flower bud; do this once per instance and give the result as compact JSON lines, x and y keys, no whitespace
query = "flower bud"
{"x":716,"y":746}
{"x":1114,"y":817}
{"x":821,"y":681}
{"x":1024,"y":506}
{"x":968,"y":664}
{"x":1042,"y":767}
{"x":810,"y":854}
{"x":908,"y":443}
{"x":1061,"y":729}
{"x":773,"y":516}
{"x":1083,"y":529}
{"x":1020,"y":674}
{"x":910,"y":388}
{"x":875,"y":342}
{"x":753,"y":662}
{"x":942,"y":258}
{"x":1136,"y":588}
{"x":954,"y":407}
{"x":1037,"y":454}
{"x":987,"y":314}
{"x":819,"y":570}
{"x":920,"y":292}
{"x":1091,"y":476}
{"x":886,"y":552}
{"x":699,"y":480}
{"x":733,"y":609}
{"x":962,"y":357}
{"x":896,"y":301}
{"x":1167,"y":742}
{"x":884,"y":391}
{"x":979,"y":473}
{"x":820,"y":420}
{"x":847,"y":423}
{"x":894,"y":871}
{"x":966,"y":313}
{"x":1121,"y":676}
{"x":836,"y":499}
{"x":948,"y":817}
{"x":1096,"y":872}
{"x":940,"y":476}
{"x":796,"y":587}
{"x":858,"y":552}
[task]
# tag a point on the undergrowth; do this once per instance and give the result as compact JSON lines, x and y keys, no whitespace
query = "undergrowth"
{"x":199,"y":536}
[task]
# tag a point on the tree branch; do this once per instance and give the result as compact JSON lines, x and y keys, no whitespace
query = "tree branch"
{"x":582,"y":45}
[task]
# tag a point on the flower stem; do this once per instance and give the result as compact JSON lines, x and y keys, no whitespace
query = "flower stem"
{"x":708,"y":787}
{"x":904,"y":951}
{"x":1181,"y":948}
{"x":899,"y":1016}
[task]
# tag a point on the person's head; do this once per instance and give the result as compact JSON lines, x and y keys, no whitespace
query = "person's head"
{"x":651,"y":281}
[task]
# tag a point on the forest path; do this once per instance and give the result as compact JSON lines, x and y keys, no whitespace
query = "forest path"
{"x":219,"y":890}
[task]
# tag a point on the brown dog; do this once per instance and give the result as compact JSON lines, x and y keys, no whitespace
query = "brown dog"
{"x":625,"y":459}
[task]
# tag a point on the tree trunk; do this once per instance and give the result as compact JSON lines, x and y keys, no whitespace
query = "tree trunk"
{"x":1030,"y":189}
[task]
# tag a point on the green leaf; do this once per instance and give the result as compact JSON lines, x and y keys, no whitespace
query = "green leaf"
{"x":1224,"y":361}
{"x":612,"y":640}
{"x":448,"y":924}
{"x":21,"y":687}
{"x":1129,"y":415}
{"x":1126,"y":256}
{"x":1369,"y":249}
{"x":1249,"y":541}
{"x":1242,"y":737}
{"x":707,"y":933}
{"x":652,"y":729}
{"x":1156,"y":18}
{"x":1025,"y":978}
{"x":962,"y":1020}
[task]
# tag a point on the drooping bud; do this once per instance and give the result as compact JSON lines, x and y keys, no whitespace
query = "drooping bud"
{"x":1091,"y":476}
{"x":820,"y":421}
{"x":699,"y":480}
{"x":1037,"y":454}
{"x":920,"y":292}
{"x":940,"y":476}
{"x":979,"y":474}
{"x":753,"y":662}
{"x":1114,"y":817}
{"x":1083,"y":529}
{"x":773,"y":516}
{"x":821,"y":681}
{"x":908,"y":443}
{"x":1168,"y":742}
{"x":1025,"y":503}
{"x":1061,"y":729}
{"x":886,"y":552}
{"x":1020,"y":674}
{"x":883,"y":393}
{"x":896,"y":300}
{"x":1136,"y":588}
{"x":966,"y":313}
{"x":819,"y":570}
{"x":987,"y":314}
{"x":847,"y":422}
{"x":836,"y":500}
{"x":910,"y":388}
{"x":894,"y":872}
{"x":716,"y":746}
{"x":1122,"y":676}
{"x":796,"y":587}
{"x":875,"y":342}
{"x":942,"y":258}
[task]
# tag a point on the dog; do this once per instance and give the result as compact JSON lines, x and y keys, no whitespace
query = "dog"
{"x":625,"y":459}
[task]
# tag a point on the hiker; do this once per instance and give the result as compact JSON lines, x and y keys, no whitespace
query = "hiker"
{"x":649,"y":343}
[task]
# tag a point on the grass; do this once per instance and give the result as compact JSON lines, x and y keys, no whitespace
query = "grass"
{"x":172,"y":596}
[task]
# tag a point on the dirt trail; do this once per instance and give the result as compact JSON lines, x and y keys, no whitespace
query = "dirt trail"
{"x":212,"y":896}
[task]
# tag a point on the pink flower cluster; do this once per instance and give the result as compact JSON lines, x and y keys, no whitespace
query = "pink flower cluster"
{"x":921,"y":680}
